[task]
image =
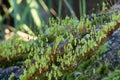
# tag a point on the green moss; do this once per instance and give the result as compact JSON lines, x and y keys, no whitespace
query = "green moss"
{"x":118,"y":52}
{"x":67,"y":46}
{"x":11,"y":76}
{"x":113,"y":76}
{"x":103,"y":69}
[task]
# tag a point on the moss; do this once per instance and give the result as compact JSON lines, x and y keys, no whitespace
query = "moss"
{"x":81,"y":53}
{"x":118,"y":53}
{"x":113,"y":76}
{"x":102,"y":69}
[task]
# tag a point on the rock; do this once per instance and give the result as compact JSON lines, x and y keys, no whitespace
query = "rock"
{"x":5,"y":73}
{"x":77,"y":73}
{"x":110,"y":57}
{"x":117,"y":6}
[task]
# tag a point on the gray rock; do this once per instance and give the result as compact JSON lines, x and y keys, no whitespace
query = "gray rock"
{"x":5,"y":73}
{"x":77,"y":73}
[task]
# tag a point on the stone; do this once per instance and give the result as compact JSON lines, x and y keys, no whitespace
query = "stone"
{"x":5,"y":73}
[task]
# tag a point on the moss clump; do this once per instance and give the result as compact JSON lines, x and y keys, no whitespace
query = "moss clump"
{"x":113,"y":76}
{"x":103,"y":69}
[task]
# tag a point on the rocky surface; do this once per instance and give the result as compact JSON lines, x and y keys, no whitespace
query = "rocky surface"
{"x":5,"y":73}
{"x":110,"y":57}
{"x":113,"y":44}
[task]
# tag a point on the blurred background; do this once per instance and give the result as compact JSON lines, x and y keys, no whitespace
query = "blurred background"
{"x":29,"y":15}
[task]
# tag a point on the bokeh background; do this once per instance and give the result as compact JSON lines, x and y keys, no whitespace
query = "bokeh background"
{"x":30,"y":14}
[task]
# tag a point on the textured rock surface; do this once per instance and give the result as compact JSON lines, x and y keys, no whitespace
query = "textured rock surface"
{"x":5,"y":73}
{"x":111,"y":56}
{"x":114,"y":47}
